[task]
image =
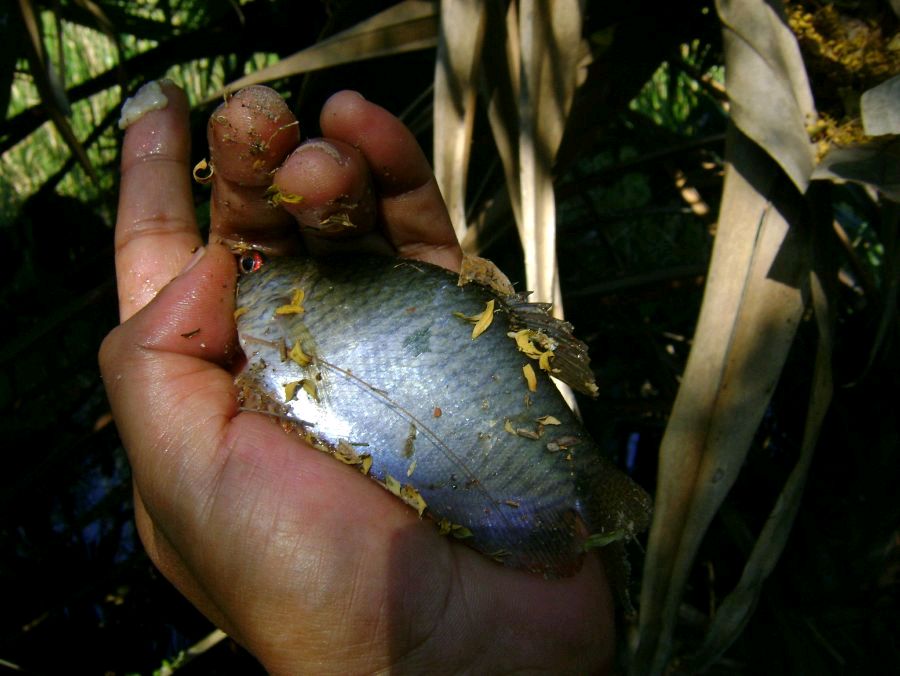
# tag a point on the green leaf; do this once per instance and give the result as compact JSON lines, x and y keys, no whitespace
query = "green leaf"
{"x":599,"y":540}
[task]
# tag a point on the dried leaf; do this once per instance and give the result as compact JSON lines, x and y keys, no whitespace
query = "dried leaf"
{"x":880,"y":108}
{"x":754,"y":301}
{"x":771,"y":101}
{"x":405,"y":27}
{"x":484,"y":272}
{"x":502,"y":70}
{"x":550,"y":36}
{"x":876,"y":164}
{"x":456,"y":71}
{"x":599,"y":540}
{"x":735,"y":611}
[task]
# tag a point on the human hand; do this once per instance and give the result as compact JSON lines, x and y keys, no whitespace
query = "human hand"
{"x":308,"y":564}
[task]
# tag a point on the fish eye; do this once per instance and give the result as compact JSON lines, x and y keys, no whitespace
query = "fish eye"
{"x":251,"y":261}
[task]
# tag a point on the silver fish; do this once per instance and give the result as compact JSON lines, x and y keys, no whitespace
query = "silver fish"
{"x":373,"y":360}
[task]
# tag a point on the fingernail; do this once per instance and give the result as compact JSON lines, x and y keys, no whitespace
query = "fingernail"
{"x":148,"y":97}
{"x":345,"y":92}
{"x":198,"y":254}
{"x":323,"y":146}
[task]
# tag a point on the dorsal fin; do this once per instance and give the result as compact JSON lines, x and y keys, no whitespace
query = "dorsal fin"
{"x":570,"y":362}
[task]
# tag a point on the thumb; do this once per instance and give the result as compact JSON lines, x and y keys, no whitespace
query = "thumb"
{"x":164,"y":368}
{"x":192,"y":314}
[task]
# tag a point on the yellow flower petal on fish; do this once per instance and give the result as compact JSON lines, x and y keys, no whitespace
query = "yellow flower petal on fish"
{"x":460,"y":532}
{"x":294,"y":307}
{"x":482,"y":320}
{"x":290,"y":389}
{"x":366,"y":464}
{"x":524,"y":342}
{"x":542,"y":351}
{"x":547,"y":420}
{"x":392,"y":485}
{"x":310,"y":388}
{"x":530,"y":377}
{"x":346,"y":453}
{"x":544,"y":361}
{"x":413,"y":498}
{"x":447,"y":527}
{"x":298,"y":356}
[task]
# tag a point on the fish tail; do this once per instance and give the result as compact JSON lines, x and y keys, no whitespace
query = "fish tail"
{"x":615,"y":509}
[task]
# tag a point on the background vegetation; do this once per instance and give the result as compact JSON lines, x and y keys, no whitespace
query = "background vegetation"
{"x":638,"y":181}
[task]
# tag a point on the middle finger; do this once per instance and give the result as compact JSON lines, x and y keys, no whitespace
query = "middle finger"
{"x":249,"y":136}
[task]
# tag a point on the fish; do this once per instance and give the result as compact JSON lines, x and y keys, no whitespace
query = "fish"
{"x":442,"y":394}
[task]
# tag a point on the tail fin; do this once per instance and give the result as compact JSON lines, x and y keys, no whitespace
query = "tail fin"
{"x":615,"y":510}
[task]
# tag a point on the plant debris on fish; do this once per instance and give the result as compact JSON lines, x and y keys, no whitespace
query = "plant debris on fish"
{"x":333,"y":348}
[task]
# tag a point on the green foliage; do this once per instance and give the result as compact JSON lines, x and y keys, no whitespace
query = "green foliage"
{"x":674,"y":98}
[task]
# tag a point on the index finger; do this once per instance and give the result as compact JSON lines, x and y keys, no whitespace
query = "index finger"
{"x":156,"y":232}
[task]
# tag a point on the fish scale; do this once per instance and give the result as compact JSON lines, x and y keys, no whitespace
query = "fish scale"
{"x":396,"y":375}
